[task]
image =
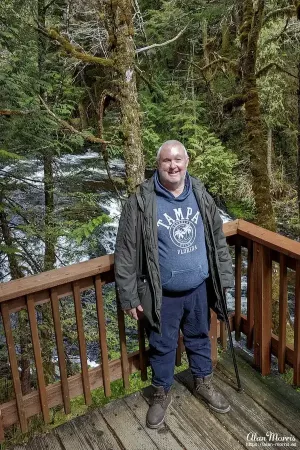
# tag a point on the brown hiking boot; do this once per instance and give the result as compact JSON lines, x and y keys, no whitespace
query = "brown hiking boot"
{"x":204,"y":390}
{"x":159,"y":403}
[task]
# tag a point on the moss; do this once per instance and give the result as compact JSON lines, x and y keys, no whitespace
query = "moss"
{"x":240,"y":210}
{"x":234,"y":101}
{"x":76,"y":52}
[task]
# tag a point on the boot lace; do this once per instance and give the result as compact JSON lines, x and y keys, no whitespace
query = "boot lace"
{"x":208,"y":386}
{"x":159,"y":398}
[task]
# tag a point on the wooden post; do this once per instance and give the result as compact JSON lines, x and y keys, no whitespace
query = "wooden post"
{"x":123,"y":347}
{"x":262,"y":307}
{"x":38,"y":358}
{"x":296,"y":379}
{"x":282,"y":314}
{"x":238,"y":280}
{"x":14,"y":367}
{"x":102,"y":336}
{"x":60,"y":351}
{"x":213,"y":337}
{"x":250,"y":295}
{"x":82,"y":344}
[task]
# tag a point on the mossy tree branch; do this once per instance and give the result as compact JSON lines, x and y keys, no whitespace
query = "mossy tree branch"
{"x":76,"y":51}
{"x":88,"y":137}
{"x":280,"y":12}
{"x":235,"y":101}
{"x":139,"y":50}
{"x":217,"y":62}
{"x":10,"y":112}
{"x":269,"y":66}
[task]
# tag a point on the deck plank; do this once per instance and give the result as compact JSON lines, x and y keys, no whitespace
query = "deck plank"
{"x":271,"y":392}
{"x":265,"y":406}
{"x":245,"y":416}
{"x":163,"y":437}
{"x":42,"y":442}
{"x":87,"y":432}
{"x":194,"y":425}
{"x":126,"y":426}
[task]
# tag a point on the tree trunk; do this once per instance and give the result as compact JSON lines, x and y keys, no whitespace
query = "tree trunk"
{"x":16,"y":272}
{"x":270,"y":150}
{"x":49,"y":237}
{"x":82,"y":114}
{"x":225,"y":38}
{"x":257,"y":146}
{"x":120,"y":27}
{"x":207,"y":72}
{"x":298,"y":142}
{"x":50,"y":241}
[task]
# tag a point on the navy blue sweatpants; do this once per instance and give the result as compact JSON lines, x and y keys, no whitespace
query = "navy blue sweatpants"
{"x":188,"y":312}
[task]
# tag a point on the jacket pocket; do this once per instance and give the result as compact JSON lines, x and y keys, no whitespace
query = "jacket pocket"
{"x":144,"y":293}
{"x":183,"y":280}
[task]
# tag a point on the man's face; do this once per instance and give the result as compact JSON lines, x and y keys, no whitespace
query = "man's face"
{"x":172,"y":166}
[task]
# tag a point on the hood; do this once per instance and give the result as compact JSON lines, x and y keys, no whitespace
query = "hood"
{"x":163,"y":192}
{"x":148,"y":187}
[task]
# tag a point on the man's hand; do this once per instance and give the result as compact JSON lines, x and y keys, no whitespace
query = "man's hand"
{"x":135,"y":313}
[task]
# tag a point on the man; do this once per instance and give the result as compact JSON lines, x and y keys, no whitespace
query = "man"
{"x":171,"y":266}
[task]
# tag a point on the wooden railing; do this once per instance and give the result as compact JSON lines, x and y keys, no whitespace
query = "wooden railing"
{"x":262,"y":246}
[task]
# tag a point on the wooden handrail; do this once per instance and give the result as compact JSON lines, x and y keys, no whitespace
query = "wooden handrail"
{"x":55,"y":277}
{"x":63,"y":275}
{"x":269,"y":239}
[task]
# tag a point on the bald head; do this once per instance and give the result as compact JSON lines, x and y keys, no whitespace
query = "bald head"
{"x":172,"y":162}
{"x":169,"y":144}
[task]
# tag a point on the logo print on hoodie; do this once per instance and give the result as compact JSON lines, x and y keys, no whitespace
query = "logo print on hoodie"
{"x":182,"y":229}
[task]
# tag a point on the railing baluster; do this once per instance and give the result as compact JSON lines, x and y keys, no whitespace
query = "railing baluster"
{"x":213,"y":337}
{"x":60,"y":351}
{"x":142,"y":348}
{"x":123,"y":348}
{"x":102,"y":336}
{"x":82,"y":344}
{"x":14,"y":366}
{"x":262,"y":307}
{"x":282,"y":313}
{"x":250,"y":295}
{"x":38,"y":358}
{"x":223,"y":335}
{"x":238,"y":280}
{"x":296,"y":379}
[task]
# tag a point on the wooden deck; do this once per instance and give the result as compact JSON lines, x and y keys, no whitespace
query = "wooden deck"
{"x":267,"y":405}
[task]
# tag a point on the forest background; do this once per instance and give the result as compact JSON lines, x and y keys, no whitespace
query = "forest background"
{"x":118,"y":78}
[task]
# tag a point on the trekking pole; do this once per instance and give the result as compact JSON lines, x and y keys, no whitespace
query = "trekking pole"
{"x":231,"y":344}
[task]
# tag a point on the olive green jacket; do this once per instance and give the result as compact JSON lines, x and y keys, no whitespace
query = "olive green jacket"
{"x":137,"y":271}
